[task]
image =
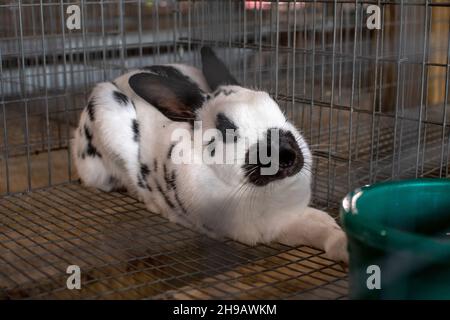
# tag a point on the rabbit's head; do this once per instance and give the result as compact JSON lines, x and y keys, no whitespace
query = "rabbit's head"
{"x":267,"y":150}
{"x":246,"y":141}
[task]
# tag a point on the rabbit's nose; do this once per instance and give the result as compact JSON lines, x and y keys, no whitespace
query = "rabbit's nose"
{"x":291,"y":158}
{"x":287,"y":157}
{"x":288,"y":161}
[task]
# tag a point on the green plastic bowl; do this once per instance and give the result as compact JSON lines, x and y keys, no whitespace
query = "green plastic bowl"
{"x":404,"y":229}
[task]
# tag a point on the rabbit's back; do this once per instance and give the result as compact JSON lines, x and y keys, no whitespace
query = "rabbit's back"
{"x":124,"y":141}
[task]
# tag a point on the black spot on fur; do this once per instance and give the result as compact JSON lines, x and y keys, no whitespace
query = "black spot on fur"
{"x":173,"y":184}
{"x":155,"y":164}
{"x":120,"y":98}
{"x":135,"y":128}
{"x":169,"y":203}
{"x":142,"y":177}
{"x":117,"y":187}
{"x":91,"y":150}
{"x":87,"y":133}
{"x":169,"y":153}
{"x":180,"y":204}
{"x":140,"y":182}
{"x":168,"y":179}
{"x":145,"y":171}
{"x":225,"y":125}
{"x":170,"y":182}
{"x":90,"y":110}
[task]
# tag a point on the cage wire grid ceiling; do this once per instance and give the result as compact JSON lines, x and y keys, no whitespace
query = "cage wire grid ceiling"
{"x":373,"y":105}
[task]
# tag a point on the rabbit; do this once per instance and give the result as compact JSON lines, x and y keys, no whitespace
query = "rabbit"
{"x":125,"y":141}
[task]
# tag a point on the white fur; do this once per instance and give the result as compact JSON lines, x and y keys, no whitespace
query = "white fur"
{"x":214,"y":197}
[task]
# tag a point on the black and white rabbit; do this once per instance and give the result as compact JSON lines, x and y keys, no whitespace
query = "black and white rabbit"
{"x":125,"y":140}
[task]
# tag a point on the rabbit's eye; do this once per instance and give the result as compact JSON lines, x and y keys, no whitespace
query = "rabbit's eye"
{"x":227,"y":128}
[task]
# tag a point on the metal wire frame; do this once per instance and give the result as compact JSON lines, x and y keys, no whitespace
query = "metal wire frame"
{"x":372,"y":104}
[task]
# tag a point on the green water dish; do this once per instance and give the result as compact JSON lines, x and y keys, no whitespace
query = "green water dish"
{"x":399,"y":239}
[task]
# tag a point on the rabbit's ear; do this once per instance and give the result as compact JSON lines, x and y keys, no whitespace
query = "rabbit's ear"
{"x":175,"y":97}
{"x":214,"y":70}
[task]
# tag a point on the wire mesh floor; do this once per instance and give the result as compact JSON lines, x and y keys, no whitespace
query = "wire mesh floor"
{"x":126,"y":252}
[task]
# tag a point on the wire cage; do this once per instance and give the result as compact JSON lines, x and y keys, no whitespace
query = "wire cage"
{"x":372,"y":103}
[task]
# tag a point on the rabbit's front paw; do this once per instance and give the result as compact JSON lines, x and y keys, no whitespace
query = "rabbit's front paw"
{"x":336,"y":247}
